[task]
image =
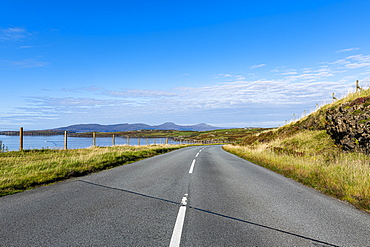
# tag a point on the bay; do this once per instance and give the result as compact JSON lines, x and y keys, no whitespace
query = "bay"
{"x":11,"y":143}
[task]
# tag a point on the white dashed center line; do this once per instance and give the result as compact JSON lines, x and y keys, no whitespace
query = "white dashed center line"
{"x":177,"y":230}
{"x":192,"y":167}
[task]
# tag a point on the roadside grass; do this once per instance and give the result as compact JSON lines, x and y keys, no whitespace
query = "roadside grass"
{"x":23,"y":170}
{"x":312,"y":158}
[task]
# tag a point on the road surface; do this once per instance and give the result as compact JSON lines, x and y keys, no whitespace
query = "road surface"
{"x":196,"y":196}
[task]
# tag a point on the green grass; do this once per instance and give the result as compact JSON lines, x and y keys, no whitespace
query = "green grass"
{"x":214,"y":136}
{"x":228,"y":135}
{"x":23,"y":170}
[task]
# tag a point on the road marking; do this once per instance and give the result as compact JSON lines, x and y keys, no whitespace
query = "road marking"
{"x":177,"y":230}
{"x":197,"y":154}
{"x":192,"y":167}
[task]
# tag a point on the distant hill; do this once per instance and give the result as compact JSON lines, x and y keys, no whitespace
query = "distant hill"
{"x":137,"y":126}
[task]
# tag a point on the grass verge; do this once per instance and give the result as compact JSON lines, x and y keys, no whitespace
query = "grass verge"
{"x":310,"y":157}
{"x":23,"y":170}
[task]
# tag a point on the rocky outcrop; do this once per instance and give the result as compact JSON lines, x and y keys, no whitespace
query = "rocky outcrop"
{"x":349,"y":125}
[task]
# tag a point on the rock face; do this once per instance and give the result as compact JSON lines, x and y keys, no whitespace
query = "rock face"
{"x":349,"y":125}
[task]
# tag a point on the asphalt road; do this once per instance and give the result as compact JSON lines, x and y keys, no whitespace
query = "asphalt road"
{"x":223,"y":201}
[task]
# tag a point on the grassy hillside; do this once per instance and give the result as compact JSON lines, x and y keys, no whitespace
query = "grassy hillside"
{"x":305,"y":152}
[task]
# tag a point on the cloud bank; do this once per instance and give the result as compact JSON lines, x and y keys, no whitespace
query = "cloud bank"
{"x":234,"y":101}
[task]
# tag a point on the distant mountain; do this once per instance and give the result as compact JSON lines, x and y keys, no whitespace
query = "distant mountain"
{"x":137,"y":126}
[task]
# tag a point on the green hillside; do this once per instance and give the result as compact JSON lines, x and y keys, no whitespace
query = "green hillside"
{"x":327,"y":150}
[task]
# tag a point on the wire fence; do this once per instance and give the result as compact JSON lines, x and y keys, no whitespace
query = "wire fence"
{"x":26,"y":140}
{"x":358,"y":88}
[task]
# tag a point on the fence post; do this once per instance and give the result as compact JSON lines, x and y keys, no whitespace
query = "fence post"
{"x":128,"y":140}
{"x":358,"y":87}
{"x":138,"y":141}
{"x":334,"y":98}
{"x":21,"y":139}
{"x":113,"y":140}
{"x":166,"y":141}
{"x":94,"y":139}
{"x":65,"y":140}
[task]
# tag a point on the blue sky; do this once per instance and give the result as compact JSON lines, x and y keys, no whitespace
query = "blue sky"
{"x":226,"y":63}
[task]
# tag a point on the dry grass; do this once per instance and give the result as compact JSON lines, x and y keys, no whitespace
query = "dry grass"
{"x":24,"y":170}
{"x":311,"y":158}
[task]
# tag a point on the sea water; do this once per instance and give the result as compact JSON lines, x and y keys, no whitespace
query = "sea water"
{"x":11,"y":143}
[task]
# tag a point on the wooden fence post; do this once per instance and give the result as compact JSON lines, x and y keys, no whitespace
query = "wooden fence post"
{"x":94,"y":138}
{"x":65,"y":140}
{"x":138,"y":141}
{"x":128,"y":140}
{"x":358,"y":87}
{"x":334,"y":98}
{"x":113,"y":140}
{"x":21,"y":139}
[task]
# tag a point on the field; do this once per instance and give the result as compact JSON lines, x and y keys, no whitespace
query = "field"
{"x":23,"y":170}
{"x":221,"y":135}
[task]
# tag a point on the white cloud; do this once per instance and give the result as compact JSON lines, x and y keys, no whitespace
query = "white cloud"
{"x":347,"y":50}
{"x":289,"y":73}
{"x":28,"y":63}
{"x":26,"y":47}
{"x":236,"y":97}
{"x":357,"y":65}
{"x":353,"y":62}
{"x":257,"y":66}
{"x":285,"y":71}
{"x":72,"y":102}
{"x":138,"y":93}
{"x":222,"y":76}
{"x":240,"y":77}
{"x":13,"y":33}
{"x":82,"y":89}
